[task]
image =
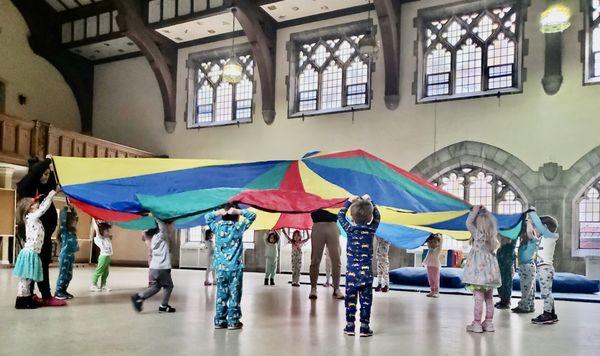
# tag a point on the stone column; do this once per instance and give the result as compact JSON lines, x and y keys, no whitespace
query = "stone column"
{"x":6,"y":174}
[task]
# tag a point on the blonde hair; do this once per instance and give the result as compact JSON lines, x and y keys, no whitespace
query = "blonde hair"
{"x":487,"y":226}
{"x":23,"y":209}
{"x":361,"y":211}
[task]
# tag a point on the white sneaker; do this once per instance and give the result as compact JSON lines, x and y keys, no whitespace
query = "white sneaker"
{"x":94,"y":288}
{"x":488,"y":326}
{"x":106,"y":289}
{"x":475,"y":328}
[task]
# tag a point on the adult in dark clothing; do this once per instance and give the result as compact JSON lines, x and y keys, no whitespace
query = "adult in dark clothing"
{"x":325,"y":233}
{"x":39,"y":180}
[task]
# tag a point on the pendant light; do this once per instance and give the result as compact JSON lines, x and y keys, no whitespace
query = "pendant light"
{"x":556,"y":18}
{"x":368,"y":44}
{"x":232,"y":71}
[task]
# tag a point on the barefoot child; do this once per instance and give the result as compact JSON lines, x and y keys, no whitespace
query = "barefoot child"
{"x":103,"y":240}
{"x":359,"y":277}
{"x":433,"y":265}
{"x":228,"y":262}
{"x":297,"y":242}
{"x":481,"y":274}
{"x":29,"y":265}
{"x":68,"y":247}
{"x":160,"y":270}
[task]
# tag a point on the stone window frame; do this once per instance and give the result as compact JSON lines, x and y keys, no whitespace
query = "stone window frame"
{"x":586,"y":43}
{"x":192,"y":63}
{"x":323,"y":34}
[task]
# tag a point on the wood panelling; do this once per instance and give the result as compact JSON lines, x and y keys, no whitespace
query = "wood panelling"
{"x":22,"y":139}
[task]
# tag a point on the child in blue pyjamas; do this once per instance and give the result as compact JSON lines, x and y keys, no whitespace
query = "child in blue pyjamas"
{"x":227,"y":262}
{"x":359,"y":277}
{"x":68,"y":247}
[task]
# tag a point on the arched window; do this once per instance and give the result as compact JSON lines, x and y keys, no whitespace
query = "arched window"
{"x":481,"y":187}
{"x":589,"y":217}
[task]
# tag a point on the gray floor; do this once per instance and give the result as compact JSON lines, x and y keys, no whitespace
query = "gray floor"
{"x":278,"y":320}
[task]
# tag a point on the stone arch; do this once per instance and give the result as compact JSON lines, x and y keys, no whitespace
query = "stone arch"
{"x":510,"y":168}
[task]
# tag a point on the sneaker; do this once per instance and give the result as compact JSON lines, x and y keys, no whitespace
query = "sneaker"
{"x":545,"y":319}
{"x":365,"y":331}
{"x":502,"y":305}
{"x":235,"y":326}
{"x":430,"y":295}
{"x":53,"y":302}
{"x":488,"y":326}
{"x":385,"y":289}
{"x":207,"y":283}
{"x":167,"y":309}
{"x":69,"y":295}
{"x":137,"y":303}
{"x":519,"y":310}
{"x":272,"y":282}
{"x":337,"y":294}
{"x":475,"y":328}
{"x":378,"y":288}
{"x":349,"y":330}
{"x":94,"y":288}
{"x":61,"y":296}
{"x":313,"y":293}
{"x":105,"y":289}
{"x":221,"y":325}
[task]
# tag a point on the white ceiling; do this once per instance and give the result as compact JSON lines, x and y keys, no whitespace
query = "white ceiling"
{"x":205,"y":27}
{"x":111,"y":48}
{"x":294,"y":9}
{"x":62,"y":5}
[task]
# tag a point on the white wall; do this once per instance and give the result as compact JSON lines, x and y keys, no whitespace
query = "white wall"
{"x":49,"y":98}
{"x":533,"y":126}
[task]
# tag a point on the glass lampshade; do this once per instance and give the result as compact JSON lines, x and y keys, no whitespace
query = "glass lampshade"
{"x":368,"y":45}
{"x":556,"y":18}
{"x":232,"y":71}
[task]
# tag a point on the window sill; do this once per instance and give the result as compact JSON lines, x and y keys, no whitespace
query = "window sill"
{"x":577,"y":252}
{"x":434,"y":99}
{"x":301,"y":114}
{"x":591,"y":81}
{"x":216,"y":124}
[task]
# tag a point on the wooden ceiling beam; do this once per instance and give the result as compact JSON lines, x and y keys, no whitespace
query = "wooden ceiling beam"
{"x":160,"y":53}
{"x":388,"y":17}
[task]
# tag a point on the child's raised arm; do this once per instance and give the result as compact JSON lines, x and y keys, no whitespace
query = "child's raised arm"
{"x":342,"y":214}
{"x":249,"y":218}
{"x":376,"y":218}
{"x":95,"y":226}
{"x":471,"y":218}
{"x":41,"y":210}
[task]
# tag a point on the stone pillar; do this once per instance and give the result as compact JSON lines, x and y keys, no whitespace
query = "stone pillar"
{"x":6,"y":174}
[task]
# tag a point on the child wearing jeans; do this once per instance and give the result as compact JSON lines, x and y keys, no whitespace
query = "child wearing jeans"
{"x":103,"y":240}
{"x":68,"y":247}
{"x":29,"y":265}
{"x":433,"y":265}
{"x":359,"y":277}
{"x":481,"y":274}
{"x":160,"y":270}
{"x":228,"y":262}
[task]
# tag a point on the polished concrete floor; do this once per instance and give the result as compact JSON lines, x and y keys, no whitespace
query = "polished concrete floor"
{"x":278,"y":320}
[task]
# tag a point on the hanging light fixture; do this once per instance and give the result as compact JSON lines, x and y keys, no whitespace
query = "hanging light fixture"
{"x":368,"y":44}
{"x":232,"y":71}
{"x":556,"y":18}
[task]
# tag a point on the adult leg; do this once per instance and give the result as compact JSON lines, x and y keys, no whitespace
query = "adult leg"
{"x":505,"y":262}
{"x":317,"y":242}
{"x":333,"y":249}
{"x":45,"y":257}
{"x":234,"y":313}
{"x":222,"y":298}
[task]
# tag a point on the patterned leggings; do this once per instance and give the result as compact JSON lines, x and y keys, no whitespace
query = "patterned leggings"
{"x":480,"y":297}
{"x":363,"y":293}
{"x":546,"y":277}
{"x":527,"y":276}
{"x":24,"y":287}
{"x":296,"y":264}
{"x":66,"y":273}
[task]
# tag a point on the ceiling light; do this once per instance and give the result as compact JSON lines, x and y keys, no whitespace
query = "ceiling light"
{"x":232,"y":71}
{"x":272,"y":7}
{"x":556,"y":18}
{"x":368,"y":44}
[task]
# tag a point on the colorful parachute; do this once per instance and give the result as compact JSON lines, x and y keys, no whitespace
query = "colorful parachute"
{"x":283,"y":192}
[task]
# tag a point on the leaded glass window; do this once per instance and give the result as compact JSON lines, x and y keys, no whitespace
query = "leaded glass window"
{"x":469,"y":50}
{"x":329,"y":73}
{"x":589,"y":218}
{"x":592,"y":43}
{"x":481,"y":187}
{"x":217,"y":102}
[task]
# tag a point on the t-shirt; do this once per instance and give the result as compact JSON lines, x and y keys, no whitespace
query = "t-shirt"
{"x":433,"y":257}
{"x":104,"y":244}
{"x":323,"y":216}
{"x":546,"y":248}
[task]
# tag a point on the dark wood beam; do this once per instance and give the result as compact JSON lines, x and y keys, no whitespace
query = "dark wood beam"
{"x":160,"y":53}
{"x":261,"y":31}
{"x":45,"y":41}
{"x":388,"y":16}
